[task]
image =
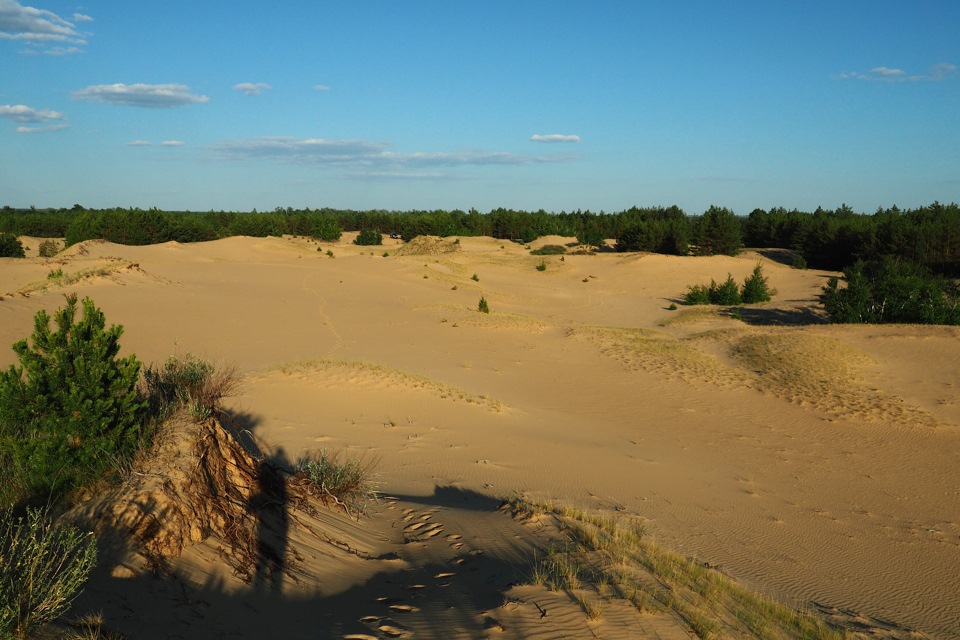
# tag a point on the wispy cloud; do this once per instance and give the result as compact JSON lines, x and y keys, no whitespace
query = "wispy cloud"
{"x":45,"y":118}
{"x":44,"y":129}
{"x":139,"y":143}
{"x":147,"y":143}
{"x":321,"y":87}
{"x":364,"y":153}
{"x":172,"y":143}
{"x":937,"y":72}
{"x":23,"y":113}
{"x":158,"y":96}
{"x":252,"y":88}
{"x":40,"y":29}
{"x":554,"y":137}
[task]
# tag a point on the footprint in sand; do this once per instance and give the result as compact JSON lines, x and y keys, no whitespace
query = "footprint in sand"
{"x":404,"y":608}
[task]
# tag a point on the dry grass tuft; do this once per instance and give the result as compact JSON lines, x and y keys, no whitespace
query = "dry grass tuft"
{"x":607,"y":555}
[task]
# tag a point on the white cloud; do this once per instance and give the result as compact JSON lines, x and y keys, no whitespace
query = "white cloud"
{"x":23,"y":113}
{"x":937,"y":72}
{"x":321,"y":87}
{"x":554,"y":137}
{"x":81,"y":17}
{"x":44,"y":129}
{"x":172,"y":143}
{"x":160,"y":96}
{"x":252,"y":88}
{"x":367,"y":154}
{"x":39,"y":28}
{"x":139,"y":143}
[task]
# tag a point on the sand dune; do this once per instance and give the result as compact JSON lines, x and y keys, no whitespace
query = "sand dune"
{"x":812,"y":462}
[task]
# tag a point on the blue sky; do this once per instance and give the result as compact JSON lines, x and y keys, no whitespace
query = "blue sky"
{"x":453,"y":104}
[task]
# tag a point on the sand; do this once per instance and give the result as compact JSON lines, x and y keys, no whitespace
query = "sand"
{"x":819,"y":464}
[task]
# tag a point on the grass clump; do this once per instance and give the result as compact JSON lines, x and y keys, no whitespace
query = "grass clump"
{"x":42,"y":569}
{"x":349,"y":484}
{"x":542,"y":266}
{"x":483,"y":306}
{"x":190,"y":382}
{"x":475,"y":278}
{"x":549,"y":250}
{"x":613,"y":556}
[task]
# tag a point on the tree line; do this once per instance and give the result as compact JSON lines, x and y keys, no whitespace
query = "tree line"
{"x":826,"y":239}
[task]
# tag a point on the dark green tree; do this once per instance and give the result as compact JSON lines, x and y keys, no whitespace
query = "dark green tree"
{"x":10,"y":246}
{"x":755,"y":288}
{"x":369,"y":238}
{"x":72,"y":407}
{"x":718,"y":232}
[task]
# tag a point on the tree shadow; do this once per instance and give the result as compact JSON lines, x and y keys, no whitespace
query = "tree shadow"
{"x":768,"y":316}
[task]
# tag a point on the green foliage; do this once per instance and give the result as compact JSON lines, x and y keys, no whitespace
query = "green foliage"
{"x":755,"y":288}
{"x":725,"y":293}
{"x":475,"y":278}
{"x":72,"y":407}
{"x":483,"y":307}
{"x":542,"y":266}
{"x":369,"y":238}
{"x":10,"y":246}
{"x":48,"y":248}
{"x":187,"y":381}
{"x":56,"y":274}
{"x":349,"y":484}
{"x":672,"y":307}
{"x":329,"y":252}
{"x":885,"y":290}
{"x":42,"y":569}
{"x":549,"y":250}
{"x":718,"y":232}
{"x":798,"y":262}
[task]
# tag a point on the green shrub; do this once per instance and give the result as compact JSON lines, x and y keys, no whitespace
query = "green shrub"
{"x":329,"y":252}
{"x":696,"y":294}
{"x":56,"y":274}
{"x":10,"y":246}
{"x":542,"y":266}
{"x":71,"y":408}
{"x":49,"y":248}
{"x":549,"y":250}
{"x":483,"y":307}
{"x":799,"y":262}
{"x":369,"y":238}
{"x":42,"y":568}
{"x":350,"y":484}
{"x":885,"y":290}
{"x":475,"y":278}
{"x":726,"y":293}
{"x":755,"y":288}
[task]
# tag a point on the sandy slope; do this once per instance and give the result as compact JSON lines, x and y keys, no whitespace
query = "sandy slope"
{"x":816,"y":463}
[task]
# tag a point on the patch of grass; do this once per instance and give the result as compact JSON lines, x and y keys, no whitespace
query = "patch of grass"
{"x":190,"y":382}
{"x":56,"y":274}
{"x":614,"y":555}
{"x":475,"y":278}
{"x":549,"y":250}
{"x":349,"y":483}
{"x":483,"y":306}
{"x":42,"y":569}
{"x":329,"y":252}
{"x":542,"y":266}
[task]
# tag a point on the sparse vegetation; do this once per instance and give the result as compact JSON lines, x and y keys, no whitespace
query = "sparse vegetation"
{"x":475,"y":278}
{"x":542,"y":266}
{"x":549,"y":250}
{"x":603,"y":554}
{"x":329,"y":252}
{"x":190,"y":382}
{"x":42,"y":569}
{"x":349,"y":484}
{"x":483,"y":306}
